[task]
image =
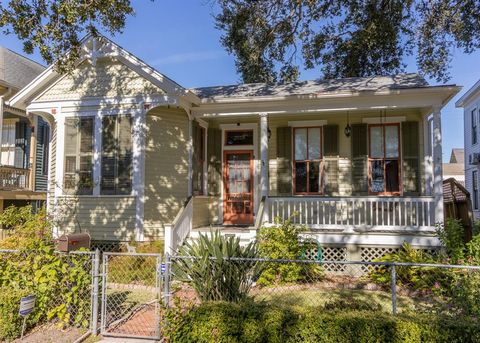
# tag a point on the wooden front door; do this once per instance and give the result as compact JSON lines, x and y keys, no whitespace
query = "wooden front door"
{"x":238,"y":187}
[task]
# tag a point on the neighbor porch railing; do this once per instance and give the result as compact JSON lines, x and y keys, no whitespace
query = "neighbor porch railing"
{"x":368,"y":213}
{"x":178,"y":231}
{"x":12,"y":178}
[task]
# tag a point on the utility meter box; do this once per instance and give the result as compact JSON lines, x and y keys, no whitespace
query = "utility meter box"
{"x":72,"y":242}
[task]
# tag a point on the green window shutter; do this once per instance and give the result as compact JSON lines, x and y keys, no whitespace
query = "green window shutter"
{"x":214,"y":159}
{"x":331,"y":176}
{"x":195,"y":155}
{"x":20,"y":160}
{"x":410,"y":160}
{"x":330,"y":140}
{"x":330,"y":153}
{"x":284,"y":161}
{"x":359,"y":148}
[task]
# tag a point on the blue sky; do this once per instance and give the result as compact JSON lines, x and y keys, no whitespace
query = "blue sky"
{"x":179,"y":39}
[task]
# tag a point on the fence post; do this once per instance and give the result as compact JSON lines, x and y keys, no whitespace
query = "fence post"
{"x":104,"y":292}
{"x":96,"y":275}
{"x":394,"y":289}
{"x":166,"y":288}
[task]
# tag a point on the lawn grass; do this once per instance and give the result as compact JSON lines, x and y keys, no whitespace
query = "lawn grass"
{"x":299,"y":298}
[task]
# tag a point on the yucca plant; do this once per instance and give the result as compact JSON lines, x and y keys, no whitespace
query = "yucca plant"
{"x":207,"y":266}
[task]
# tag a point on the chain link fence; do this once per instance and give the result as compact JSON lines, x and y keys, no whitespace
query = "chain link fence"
{"x":131,"y":295}
{"x":65,"y":287}
{"x":391,"y":287}
{"x":122,"y":294}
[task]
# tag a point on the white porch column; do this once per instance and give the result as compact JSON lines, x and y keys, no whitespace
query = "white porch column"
{"x":139,"y":130}
{"x":437,"y":165}
{"x":60,"y":148}
{"x":264,"y":153}
{"x":427,"y":154}
{"x":190,"y":156}
{"x":1,"y":122}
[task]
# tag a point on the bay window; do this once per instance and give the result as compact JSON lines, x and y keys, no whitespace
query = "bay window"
{"x":308,"y":160}
{"x":78,"y":173}
{"x":116,"y":170}
{"x":384,"y":159}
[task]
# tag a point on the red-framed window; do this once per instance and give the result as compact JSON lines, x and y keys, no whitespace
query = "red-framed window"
{"x":307,"y":160}
{"x":384,"y":159}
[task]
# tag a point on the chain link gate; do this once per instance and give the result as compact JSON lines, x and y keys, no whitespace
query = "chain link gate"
{"x":131,"y":295}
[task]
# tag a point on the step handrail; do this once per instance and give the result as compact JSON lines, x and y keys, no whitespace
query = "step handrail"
{"x":180,"y":228}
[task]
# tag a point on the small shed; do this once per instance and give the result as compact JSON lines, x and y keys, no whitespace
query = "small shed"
{"x":458,"y":205}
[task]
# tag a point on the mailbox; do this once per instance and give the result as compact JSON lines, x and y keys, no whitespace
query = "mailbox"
{"x":67,"y":243}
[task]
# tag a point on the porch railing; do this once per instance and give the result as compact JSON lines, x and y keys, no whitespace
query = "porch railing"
{"x":357,"y":213}
{"x":12,"y":178}
{"x":178,"y":231}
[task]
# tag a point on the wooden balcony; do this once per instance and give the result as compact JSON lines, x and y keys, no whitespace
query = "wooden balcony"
{"x":14,"y":179}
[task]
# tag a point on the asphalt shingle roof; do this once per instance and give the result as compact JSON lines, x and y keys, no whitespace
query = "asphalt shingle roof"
{"x":17,"y":70}
{"x":353,"y":84}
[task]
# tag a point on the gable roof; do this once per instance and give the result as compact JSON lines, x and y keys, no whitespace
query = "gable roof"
{"x":49,"y":76}
{"x":472,"y":92}
{"x":352,"y":84}
{"x":457,"y":156}
{"x":17,"y":71}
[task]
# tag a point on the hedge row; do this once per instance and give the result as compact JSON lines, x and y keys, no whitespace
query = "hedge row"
{"x":254,"y":322}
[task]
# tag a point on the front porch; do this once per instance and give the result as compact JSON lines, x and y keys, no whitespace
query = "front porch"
{"x":373,"y":186}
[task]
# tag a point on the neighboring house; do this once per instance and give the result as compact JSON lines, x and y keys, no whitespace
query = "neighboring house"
{"x":470,"y":102}
{"x":137,"y":156}
{"x":23,"y":137}
{"x":455,"y":168}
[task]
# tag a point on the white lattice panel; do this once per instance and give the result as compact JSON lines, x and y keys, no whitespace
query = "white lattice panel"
{"x":329,"y":254}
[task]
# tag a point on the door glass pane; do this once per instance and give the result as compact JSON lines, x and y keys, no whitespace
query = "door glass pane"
{"x":391,"y":171}
{"x":314,"y":143}
{"x":314,"y":176}
{"x":376,"y":172}
{"x":376,"y":142}
{"x":391,"y":141}
{"x":301,"y":177}
{"x":300,"y":144}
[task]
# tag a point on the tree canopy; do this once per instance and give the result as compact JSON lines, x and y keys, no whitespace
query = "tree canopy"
{"x":54,"y":27}
{"x":273,"y":40}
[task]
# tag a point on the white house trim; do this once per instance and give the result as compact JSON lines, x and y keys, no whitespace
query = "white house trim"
{"x":437,"y":165}
{"x":383,"y":120}
{"x":305,"y":123}
{"x":138,"y":182}
{"x":60,"y":152}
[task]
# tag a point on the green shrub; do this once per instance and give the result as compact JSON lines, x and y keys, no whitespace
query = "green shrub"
{"x":10,"y":320}
{"x":28,"y":230}
{"x":61,"y":283}
{"x":451,"y":235}
{"x":349,"y":303}
{"x":209,"y":270}
{"x":261,"y":322}
{"x":418,"y":278}
{"x":283,"y":241}
{"x":465,"y":292}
